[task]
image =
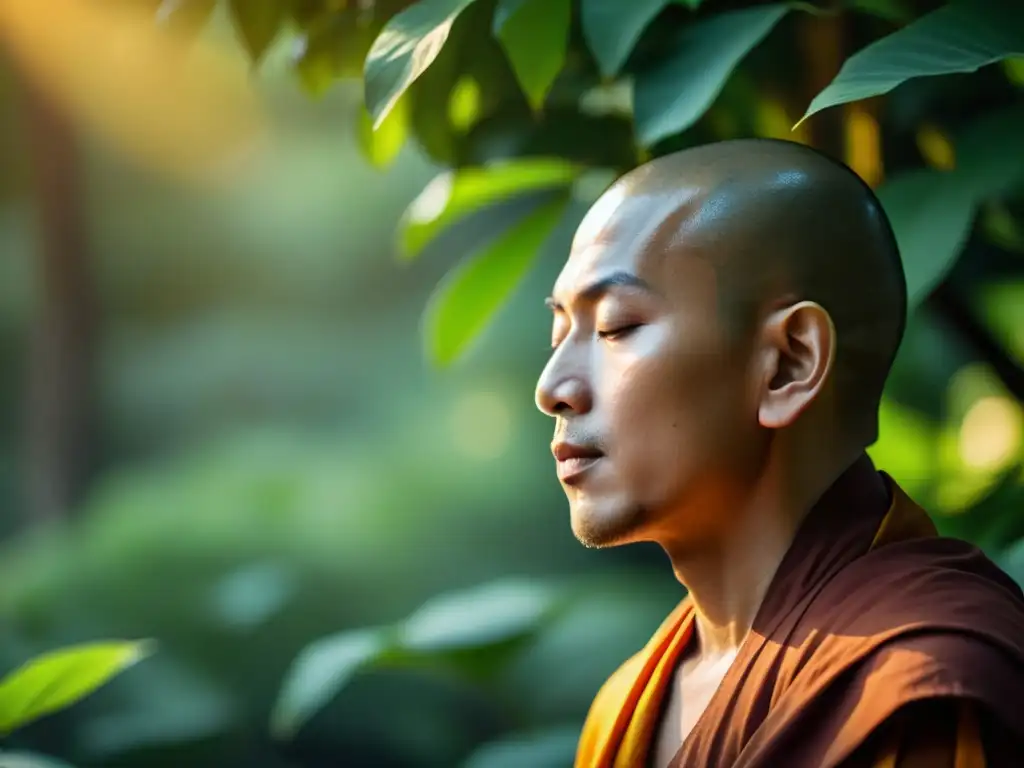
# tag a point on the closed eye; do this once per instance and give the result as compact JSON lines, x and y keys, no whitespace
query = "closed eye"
{"x":620,"y":332}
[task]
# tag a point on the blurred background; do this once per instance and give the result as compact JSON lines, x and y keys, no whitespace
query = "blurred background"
{"x":219,"y":429}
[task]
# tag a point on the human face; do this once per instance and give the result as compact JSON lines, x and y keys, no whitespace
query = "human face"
{"x":655,"y":415}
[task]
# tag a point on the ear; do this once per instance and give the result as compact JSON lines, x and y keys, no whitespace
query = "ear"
{"x":799,"y":352}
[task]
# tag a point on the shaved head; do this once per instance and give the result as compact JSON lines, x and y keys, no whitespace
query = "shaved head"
{"x":723,"y":309}
{"x":780,"y":222}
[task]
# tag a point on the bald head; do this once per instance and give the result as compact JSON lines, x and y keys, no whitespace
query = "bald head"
{"x":779,"y":223}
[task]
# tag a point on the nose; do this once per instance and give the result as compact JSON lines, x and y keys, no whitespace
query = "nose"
{"x":561,"y":389}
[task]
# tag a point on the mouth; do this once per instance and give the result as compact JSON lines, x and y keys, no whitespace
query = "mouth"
{"x":574,"y":461}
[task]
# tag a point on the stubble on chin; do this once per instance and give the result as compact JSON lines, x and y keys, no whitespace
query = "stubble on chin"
{"x":597,"y":528}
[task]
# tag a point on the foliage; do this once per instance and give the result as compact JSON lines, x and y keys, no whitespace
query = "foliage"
{"x":58,"y":679}
{"x":606,"y":84}
{"x":472,"y":632}
{"x":532,"y":107}
{"x":54,"y":681}
{"x":525,"y":107}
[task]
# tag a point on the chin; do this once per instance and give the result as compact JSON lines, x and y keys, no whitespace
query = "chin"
{"x":598,"y":525}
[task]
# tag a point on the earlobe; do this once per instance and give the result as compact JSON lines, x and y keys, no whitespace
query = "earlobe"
{"x":800,"y":351}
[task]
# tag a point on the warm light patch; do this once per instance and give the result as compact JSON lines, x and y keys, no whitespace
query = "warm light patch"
{"x":990,"y":433}
{"x":482,"y":425}
{"x":180,"y":107}
{"x":863,"y":144}
{"x":774,"y":122}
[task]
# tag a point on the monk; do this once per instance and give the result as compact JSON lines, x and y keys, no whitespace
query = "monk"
{"x":723,"y":329}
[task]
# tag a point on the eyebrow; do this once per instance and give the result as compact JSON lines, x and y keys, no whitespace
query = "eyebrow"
{"x":600,"y":287}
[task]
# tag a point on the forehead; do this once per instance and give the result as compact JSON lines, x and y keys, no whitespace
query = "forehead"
{"x":646,"y":235}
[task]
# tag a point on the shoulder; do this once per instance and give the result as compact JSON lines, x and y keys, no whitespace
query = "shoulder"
{"x":912,"y":622}
{"x":935,"y":584}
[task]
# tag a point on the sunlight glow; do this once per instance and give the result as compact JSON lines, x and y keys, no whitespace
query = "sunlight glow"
{"x":990,"y":433}
{"x":864,"y":144}
{"x":175,"y":106}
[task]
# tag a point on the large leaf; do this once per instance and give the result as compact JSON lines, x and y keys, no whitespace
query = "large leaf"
{"x":454,"y":194}
{"x":612,"y":27}
{"x":932,"y":211}
{"x":484,"y":615}
{"x":551,"y":748}
{"x":319,"y":673}
{"x":407,"y":45}
{"x":258,"y":23}
{"x":57,"y":680}
{"x":471,"y":294}
{"x":990,"y":153}
{"x":30,"y":760}
{"x":960,"y":37}
{"x":673,"y":94}
{"x":535,"y":35}
{"x":931,"y":217}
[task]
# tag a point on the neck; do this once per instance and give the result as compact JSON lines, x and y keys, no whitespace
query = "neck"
{"x":727,"y":580}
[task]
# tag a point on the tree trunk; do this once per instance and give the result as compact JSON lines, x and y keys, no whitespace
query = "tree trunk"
{"x":58,"y":428}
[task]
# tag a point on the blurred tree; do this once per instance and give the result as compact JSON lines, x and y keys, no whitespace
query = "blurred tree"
{"x":181,"y":115}
{"x":59,"y":413}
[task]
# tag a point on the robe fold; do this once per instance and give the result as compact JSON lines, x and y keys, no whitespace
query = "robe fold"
{"x":878,"y":644}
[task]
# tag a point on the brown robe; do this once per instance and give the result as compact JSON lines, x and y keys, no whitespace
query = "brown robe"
{"x":872,"y":626}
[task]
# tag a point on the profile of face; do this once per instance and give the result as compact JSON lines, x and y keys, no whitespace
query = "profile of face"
{"x":655,"y":413}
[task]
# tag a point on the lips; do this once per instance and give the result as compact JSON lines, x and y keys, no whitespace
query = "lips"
{"x":574,"y":460}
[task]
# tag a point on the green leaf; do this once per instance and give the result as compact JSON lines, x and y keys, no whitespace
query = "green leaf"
{"x":499,"y":611}
{"x":322,"y":670}
{"x":258,"y":23}
{"x":612,"y":27}
{"x":932,"y":212}
{"x":550,"y":748}
{"x":931,"y":217}
{"x":535,"y":35}
{"x":672,"y":95}
{"x":990,"y":153}
{"x":960,"y":37}
{"x":57,"y":680}
{"x":381,"y":146}
{"x":469,"y":296}
{"x":30,"y":760}
{"x":407,"y":45}
{"x":454,"y":194}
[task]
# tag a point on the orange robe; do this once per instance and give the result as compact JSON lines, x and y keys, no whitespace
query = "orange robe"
{"x":878,"y":645}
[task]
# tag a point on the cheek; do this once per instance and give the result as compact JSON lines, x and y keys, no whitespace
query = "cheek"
{"x":671,"y":415}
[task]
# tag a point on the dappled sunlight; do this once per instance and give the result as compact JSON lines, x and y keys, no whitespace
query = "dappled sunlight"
{"x":990,"y":433}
